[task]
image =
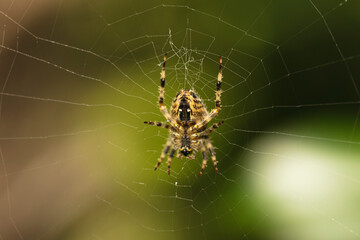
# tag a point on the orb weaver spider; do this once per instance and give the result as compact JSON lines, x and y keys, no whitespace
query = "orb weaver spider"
{"x":188,"y":120}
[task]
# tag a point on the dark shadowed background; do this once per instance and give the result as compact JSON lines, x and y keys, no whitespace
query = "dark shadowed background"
{"x":79,"y":78}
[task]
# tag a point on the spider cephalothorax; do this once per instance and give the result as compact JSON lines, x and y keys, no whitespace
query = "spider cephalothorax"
{"x":188,"y":120}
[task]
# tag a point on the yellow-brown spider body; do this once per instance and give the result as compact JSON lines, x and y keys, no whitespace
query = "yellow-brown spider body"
{"x":188,"y":110}
{"x":188,"y":120}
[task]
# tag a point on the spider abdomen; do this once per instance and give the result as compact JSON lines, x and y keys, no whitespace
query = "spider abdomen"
{"x":187,"y":108}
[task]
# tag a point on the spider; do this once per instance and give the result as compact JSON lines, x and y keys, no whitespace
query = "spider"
{"x":188,"y":120}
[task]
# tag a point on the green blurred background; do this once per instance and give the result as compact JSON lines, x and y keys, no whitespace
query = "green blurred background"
{"x":78,"y":78}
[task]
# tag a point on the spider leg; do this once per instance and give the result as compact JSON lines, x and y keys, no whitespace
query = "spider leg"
{"x":162,"y":86}
{"x":207,"y":131}
{"x":205,"y":158}
{"x":213,"y":127}
{"x":171,"y":155}
{"x":162,"y":106}
{"x":218,"y":87}
{"x":159,"y":124}
{"x":216,"y":110}
{"x":163,"y":154}
{"x":212,"y":153}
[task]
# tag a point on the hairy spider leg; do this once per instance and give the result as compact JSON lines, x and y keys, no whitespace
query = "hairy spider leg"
{"x":162,"y":106}
{"x":171,"y":155}
{"x":163,"y":154}
{"x":212,"y":153}
{"x":159,"y":124}
{"x":218,"y":87}
{"x":216,"y":110}
{"x":205,"y":133}
{"x":205,"y":158}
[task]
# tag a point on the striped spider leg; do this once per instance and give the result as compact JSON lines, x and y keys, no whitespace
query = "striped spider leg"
{"x":216,"y":110}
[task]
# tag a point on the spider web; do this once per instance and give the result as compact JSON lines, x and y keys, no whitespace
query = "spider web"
{"x":78,"y":78}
